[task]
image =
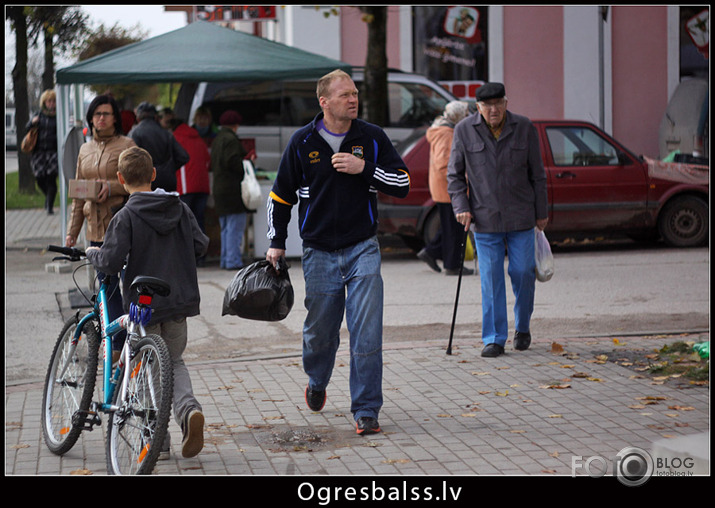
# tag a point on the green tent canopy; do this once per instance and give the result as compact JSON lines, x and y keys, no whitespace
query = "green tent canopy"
{"x":200,"y":51}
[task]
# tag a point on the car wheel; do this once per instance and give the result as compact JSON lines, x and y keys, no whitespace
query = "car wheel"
{"x":431,"y":226}
{"x":684,"y":222}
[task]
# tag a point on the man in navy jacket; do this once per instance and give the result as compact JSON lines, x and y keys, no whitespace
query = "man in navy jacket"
{"x":333,"y":168}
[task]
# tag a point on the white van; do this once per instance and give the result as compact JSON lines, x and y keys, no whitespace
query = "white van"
{"x":273,"y":110}
{"x":10,"y":129}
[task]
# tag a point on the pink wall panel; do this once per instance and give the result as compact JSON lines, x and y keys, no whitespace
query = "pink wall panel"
{"x":640,"y":93}
{"x":354,"y":38}
{"x":533,"y":60}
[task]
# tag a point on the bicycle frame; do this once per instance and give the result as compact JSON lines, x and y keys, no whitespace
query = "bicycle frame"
{"x":134,"y":328}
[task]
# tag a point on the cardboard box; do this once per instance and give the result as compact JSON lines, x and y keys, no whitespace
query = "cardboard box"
{"x":84,"y":189}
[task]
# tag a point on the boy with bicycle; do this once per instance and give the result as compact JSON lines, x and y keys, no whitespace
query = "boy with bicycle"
{"x":158,"y":235}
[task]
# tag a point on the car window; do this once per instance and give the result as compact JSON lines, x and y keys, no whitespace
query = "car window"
{"x":410,"y":105}
{"x":580,"y":146}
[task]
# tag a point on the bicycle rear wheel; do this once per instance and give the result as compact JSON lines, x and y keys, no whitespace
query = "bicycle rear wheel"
{"x":138,"y":427}
{"x":69,"y":385}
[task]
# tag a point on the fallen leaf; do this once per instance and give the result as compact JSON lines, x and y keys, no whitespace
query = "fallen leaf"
{"x":596,"y":379}
{"x":20,"y":446}
{"x":469,"y":415}
{"x":579,"y":375}
{"x":556,"y":386}
{"x":567,"y":366}
{"x":548,"y":471}
{"x":480,"y":373}
{"x":672,"y":415}
{"x":555,"y":454}
{"x":444,"y":415}
{"x":333,"y":457}
{"x":518,"y":431}
{"x":82,"y":472}
{"x":681,"y":408}
{"x":556,"y":348}
{"x":555,"y":416}
{"x":502,"y":394}
{"x":601,"y":359}
{"x":395,"y":461}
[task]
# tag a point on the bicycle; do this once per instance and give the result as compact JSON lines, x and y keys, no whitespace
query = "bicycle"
{"x":136,"y":391}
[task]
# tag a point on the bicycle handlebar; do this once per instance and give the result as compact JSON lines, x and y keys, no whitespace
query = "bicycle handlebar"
{"x":71,"y":253}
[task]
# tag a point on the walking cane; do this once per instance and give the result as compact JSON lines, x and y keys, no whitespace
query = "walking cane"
{"x":459,"y":285}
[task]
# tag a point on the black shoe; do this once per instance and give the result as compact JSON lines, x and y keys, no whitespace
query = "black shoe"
{"x":315,"y":398}
{"x":424,"y":256}
{"x":367,"y":425}
{"x":492,"y":350}
{"x":455,"y":271}
{"x":522,"y":341}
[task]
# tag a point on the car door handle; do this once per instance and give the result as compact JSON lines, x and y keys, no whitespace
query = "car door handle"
{"x":566,"y":174}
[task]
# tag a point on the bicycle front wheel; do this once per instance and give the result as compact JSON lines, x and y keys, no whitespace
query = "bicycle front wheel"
{"x":138,"y":427}
{"x":69,"y":385}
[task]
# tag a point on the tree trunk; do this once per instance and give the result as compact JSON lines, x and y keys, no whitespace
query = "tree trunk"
{"x":26,"y":183}
{"x":375,"y":93}
{"x":48,"y":76}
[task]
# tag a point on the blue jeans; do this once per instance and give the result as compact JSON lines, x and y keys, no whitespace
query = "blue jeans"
{"x":232,"y":228}
{"x":345,"y":281}
{"x":522,"y":266}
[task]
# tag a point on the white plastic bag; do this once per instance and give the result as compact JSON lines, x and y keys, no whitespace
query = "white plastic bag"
{"x":250,"y":188}
{"x":544,"y":257}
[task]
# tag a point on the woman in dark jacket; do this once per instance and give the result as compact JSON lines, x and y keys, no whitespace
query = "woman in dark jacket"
{"x":44,"y":156}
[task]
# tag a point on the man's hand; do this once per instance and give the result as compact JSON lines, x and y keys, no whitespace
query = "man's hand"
{"x":541,"y":223}
{"x":347,"y":163}
{"x":465,"y":219}
{"x":273,"y":255}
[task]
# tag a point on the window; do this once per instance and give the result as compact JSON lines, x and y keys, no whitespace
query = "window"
{"x":579,"y":146}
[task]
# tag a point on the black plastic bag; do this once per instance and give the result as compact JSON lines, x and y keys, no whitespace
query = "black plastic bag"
{"x":259,"y":292}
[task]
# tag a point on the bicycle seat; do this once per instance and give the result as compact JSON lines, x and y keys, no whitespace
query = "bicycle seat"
{"x":146,"y":285}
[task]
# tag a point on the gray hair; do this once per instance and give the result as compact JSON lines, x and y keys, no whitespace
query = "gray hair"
{"x":453,"y":112}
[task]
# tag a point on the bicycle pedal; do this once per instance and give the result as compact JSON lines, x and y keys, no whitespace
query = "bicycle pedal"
{"x":86,"y":420}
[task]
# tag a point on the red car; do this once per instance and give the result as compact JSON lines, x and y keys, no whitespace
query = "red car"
{"x":596,"y":187}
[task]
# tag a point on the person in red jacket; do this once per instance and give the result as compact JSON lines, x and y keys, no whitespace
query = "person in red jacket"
{"x":192,"y":179}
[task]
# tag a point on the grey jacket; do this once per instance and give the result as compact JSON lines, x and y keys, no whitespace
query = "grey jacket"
{"x":502,"y":183}
{"x":157,"y":234}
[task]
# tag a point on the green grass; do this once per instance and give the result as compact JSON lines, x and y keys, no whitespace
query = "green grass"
{"x":15,"y":200}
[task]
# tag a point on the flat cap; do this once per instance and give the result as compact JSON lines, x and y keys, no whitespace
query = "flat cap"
{"x":147,"y":108}
{"x":490,"y":91}
{"x":230,"y":117}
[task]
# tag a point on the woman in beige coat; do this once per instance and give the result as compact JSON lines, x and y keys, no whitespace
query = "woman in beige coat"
{"x":446,"y":245}
{"x":98,"y":160}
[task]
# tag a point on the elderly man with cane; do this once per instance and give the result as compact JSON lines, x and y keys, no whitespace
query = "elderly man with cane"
{"x":497,"y":183}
